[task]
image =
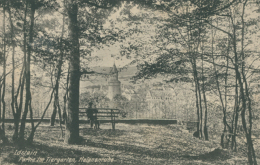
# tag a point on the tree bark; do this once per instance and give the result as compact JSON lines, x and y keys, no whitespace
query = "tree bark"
{"x":17,"y":115}
{"x":245,"y":99}
{"x":192,"y":57}
{"x":198,"y":95}
{"x":65,"y":98}
{"x":54,"y":112}
{"x":72,"y":124}
{"x":206,"y":136}
{"x":15,"y":109}
{"x":235,"y":118}
{"x":2,"y":130}
{"x":27,"y":75}
{"x":20,"y":138}
{"x":251,"y":151}
{"x":59,"y":65}
{"x":197,"y":101}
{"x":13,"y":53}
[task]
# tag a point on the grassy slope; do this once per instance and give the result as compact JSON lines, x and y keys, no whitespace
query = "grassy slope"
{"x":128,"y":144}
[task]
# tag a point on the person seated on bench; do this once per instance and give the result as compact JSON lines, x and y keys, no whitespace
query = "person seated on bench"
{"x":93,"y":118}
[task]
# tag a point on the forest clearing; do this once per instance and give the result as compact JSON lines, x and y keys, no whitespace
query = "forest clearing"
{"x":128,"y":144}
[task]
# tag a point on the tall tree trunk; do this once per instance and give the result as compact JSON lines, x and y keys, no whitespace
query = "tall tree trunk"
{"x":65,"y":98}
{"x":1,"y":84}
{"x":226,"y":125}
{"x":195,"y":72}
{"x":204,"y":129}
{"x":198,"y":109}
{"x":198,"y":133}
{"x":54,"y":112}
{"x":4,"y":70}
{"x":206,"y":136}
{"x":72,"y":124}
{"x":251,"y":151}
{"x":13,"y":53}
{"x":20,"y":89}
{"x":2,"y":130}
{"x":17,"y":115}
{"x":245,"y":99}
{"x":14,"y":105}
{"x":198,"y":99}
{"x":27,"y":75}
{"x":59,"y":65}
{"x":235,"y":118}
{"x":59,"y":75}
{"x":20,"y":138}
{"x":236,"y":105}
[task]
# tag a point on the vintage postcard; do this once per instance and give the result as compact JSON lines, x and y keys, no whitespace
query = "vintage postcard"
{"x":171,"y":82}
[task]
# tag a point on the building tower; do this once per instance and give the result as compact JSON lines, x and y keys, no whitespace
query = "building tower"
{"x":113,"y":83}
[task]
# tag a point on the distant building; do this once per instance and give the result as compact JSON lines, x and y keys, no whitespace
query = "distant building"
{"x":161,"y":102}
{"x":175,"y":102}
{"x":160,"y":94}
{"x":129,"y":93}
{"x":114,"y":85}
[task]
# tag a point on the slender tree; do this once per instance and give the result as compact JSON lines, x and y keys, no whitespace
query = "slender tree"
{"x":27,"y":73}
{"x":3,"y":83}
{"x":59,"y":70}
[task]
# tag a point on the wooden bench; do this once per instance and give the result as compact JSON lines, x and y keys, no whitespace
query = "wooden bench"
{"x":110,"y":113}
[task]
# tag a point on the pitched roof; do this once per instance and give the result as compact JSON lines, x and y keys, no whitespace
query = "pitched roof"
{"x":114,"y":69}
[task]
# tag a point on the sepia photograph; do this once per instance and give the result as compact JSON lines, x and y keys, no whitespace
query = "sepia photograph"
{"x":139,"y":82}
